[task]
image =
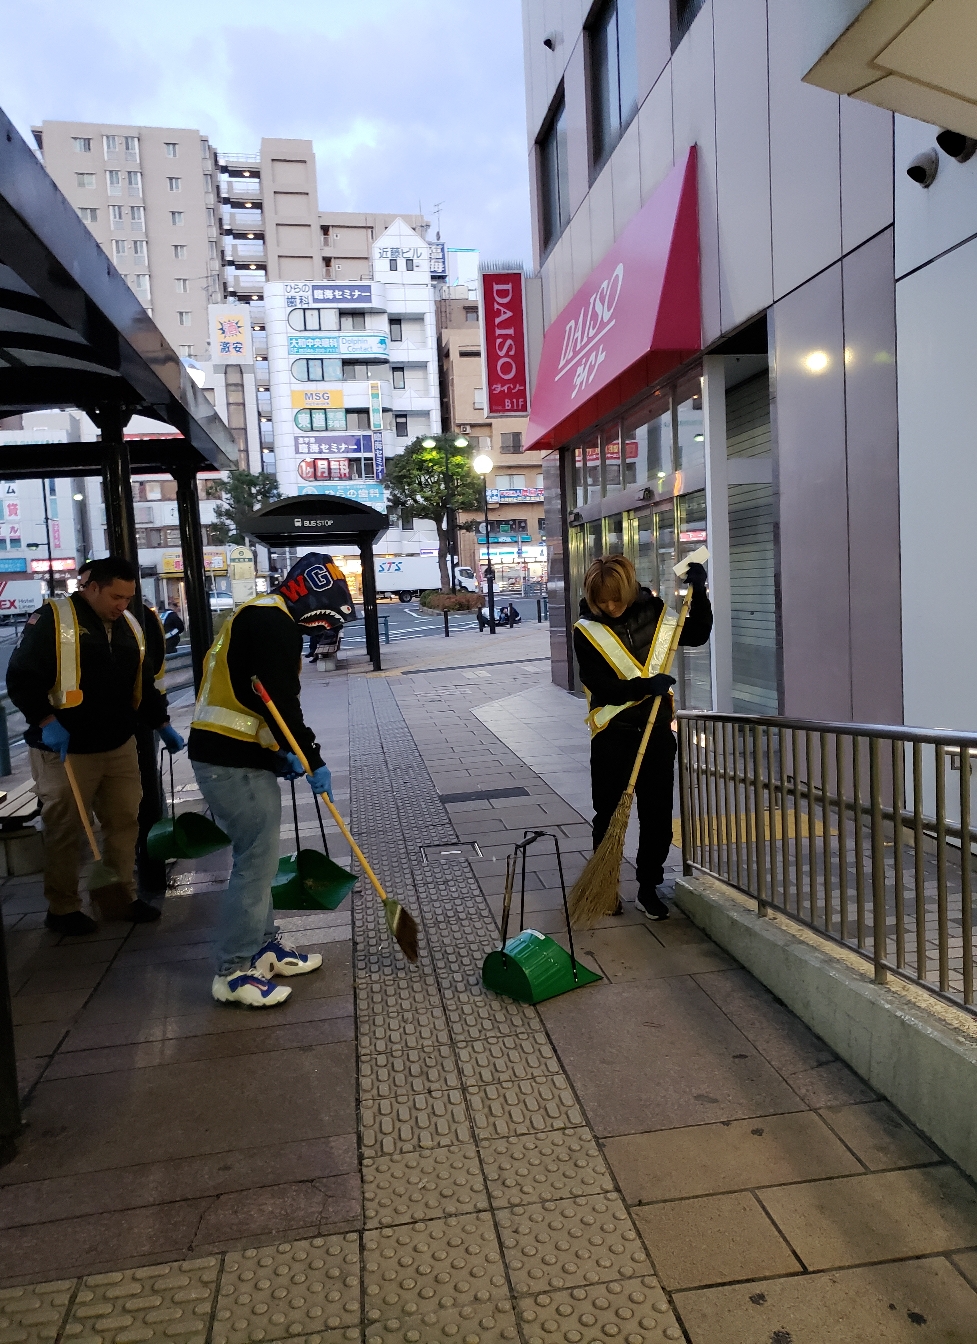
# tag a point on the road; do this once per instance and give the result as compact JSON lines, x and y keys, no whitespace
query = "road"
{"x":408,"y":621}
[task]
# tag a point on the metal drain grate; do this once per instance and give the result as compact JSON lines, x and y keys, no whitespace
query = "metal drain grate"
{"x":482,"y":795}
{"x":459,"y":852}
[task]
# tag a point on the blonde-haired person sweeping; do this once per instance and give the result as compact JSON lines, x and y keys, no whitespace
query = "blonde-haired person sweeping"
{"x":613,"y":637}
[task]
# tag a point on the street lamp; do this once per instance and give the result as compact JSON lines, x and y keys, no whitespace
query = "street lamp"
{"x":451,"y":520}
{"x":483,"y":464}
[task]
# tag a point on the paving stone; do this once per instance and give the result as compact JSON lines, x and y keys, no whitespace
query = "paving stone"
{"x":33,"y":1313}
{"x":631,"y":1312}
{"x":526,"y":1106}
{"x":446,"y":1264}
{"x":412,"y":1186}
{"x":475,"y":1016}
{"x":879,"y":1136}
{"x":570,"y":1242}
{"x":389,"y":1073}
{"x":545,"y":1167}
{"x":299,"y":1288}
{"x":471,"y":1324}
{"x":413,"y":1121}
{"x":718,"y":1239}
{"x":136,"y":1305}
{"x":503,"y":1059}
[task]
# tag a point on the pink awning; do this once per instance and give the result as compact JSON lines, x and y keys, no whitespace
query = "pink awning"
{"x":636,"y":316}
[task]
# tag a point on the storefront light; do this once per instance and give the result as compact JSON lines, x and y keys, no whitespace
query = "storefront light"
{"x":816,"y":361}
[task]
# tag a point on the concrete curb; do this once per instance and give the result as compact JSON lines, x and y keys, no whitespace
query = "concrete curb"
{"x":922,"y":1058}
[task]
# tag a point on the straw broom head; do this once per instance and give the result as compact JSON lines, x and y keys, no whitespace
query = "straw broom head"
{"x":595,"y":892}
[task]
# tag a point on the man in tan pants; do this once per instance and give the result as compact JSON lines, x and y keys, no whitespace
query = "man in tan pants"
{"x":82,"y":681}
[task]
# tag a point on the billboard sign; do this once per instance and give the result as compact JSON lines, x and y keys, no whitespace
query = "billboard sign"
{"x":339,"y":343}
{"x":506,"y":391}
{"x":342,"y":444}
{"x":366,"y":492}
{"x":342,"y":293}
{"x":329,"y":398}
{"x":230,"y":335}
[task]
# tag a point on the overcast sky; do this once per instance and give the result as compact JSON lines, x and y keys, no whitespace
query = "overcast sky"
{"x":406,"y":103}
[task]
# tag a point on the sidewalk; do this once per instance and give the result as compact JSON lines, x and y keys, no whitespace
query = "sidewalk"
{"x":396,"y":1155}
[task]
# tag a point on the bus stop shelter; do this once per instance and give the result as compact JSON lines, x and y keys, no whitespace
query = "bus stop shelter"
{"x":328,"y":520}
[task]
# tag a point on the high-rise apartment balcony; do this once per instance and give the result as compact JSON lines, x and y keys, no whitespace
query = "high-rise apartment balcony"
{"x":247,"y":252}
{"x":238,"y":160}
{"x":243,"y":219}
{"x":241,"y":188}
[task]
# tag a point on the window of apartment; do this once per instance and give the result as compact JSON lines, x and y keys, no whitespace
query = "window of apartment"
{"x":553,"y":177}
{"x":683,"y":12}
{"x":512,"y":481}
{"x":140,"y":284}
{"x":317,"y":370}
{"x":184,"y":318}
{"x":131,"y":146}
{"x":613,"y":75}
{"x":210,"y":217}
{"x":511,"y":443}
{"x":305,"y":319}
{"x":139,"y":251}
{"x":212,"y":248}
{"x":400,"y":426}
{"x":170,"y":148}
{"x":110,"y":145}
{"x":186,"y":352}
{"x":409,"y":263}
{"x":88,"y":213}
{"x":117,"y":218}
{"x":134,"y":179}
{"x":182,"y":285}
{"x":82,"y":144}
{"x":176,"y":217}
{"x":398,"y":377}
{"x":470,"y":352}
{"x":179,"y":251}
{"x":137,"y":217}
{"x":352,"y":322}
{"x":174,"y":183}
{"x":393,"y":263}
{"x":208,"y":182}
{"x":396,"y":329}
{"x":471,"y":314}
{"x":86,"y":180}
{"x":119,"y":248}
{"x":113,"y":180}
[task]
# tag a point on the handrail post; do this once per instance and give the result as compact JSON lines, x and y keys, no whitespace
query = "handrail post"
{"x":759,"y":826}
{"x":683,"y":793}
{"x":879,"y":949}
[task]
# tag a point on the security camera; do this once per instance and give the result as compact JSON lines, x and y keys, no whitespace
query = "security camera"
{"x":957,"y":146}
{"x":552,"y":40}
{"x":924,"y":168}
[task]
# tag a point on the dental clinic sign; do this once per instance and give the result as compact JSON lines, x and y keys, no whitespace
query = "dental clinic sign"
{"x":635,"y":317}
{"x":504,"y":343}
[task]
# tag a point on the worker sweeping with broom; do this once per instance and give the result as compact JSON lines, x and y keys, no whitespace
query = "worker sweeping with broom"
{"x":624,"y":642}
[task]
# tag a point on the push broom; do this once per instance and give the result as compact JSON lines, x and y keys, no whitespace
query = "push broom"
{"x":595,"y":892}
{"x":111,"y":896}
{"x":400,"y":922}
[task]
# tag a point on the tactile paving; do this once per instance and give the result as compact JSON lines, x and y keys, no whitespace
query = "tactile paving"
{"x":34,"y":1313}
{"x":503,"y":1059}
{"x":433,"y":1184}
{"x":158,"y":1302}
{"x":299,"y":1288}
{"x":631,"y":1313}
{"x":475,"y":1016}
{"x":445,"y":1264}
{"x":551,"y":1166}
{"x":569,"y":1242}
{"x":471,"y":1324}
{"x":376,"y":1033}
{"x":527,"y":1106}
{"x":413,"y":1121}
{"x":389,"y":1073}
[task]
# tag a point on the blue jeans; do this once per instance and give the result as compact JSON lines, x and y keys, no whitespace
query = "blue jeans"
{"x":248,"y":807}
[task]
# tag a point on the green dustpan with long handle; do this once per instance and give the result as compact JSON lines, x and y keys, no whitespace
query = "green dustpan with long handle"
{"x":308,"y":880}
{"x":188,"y":836}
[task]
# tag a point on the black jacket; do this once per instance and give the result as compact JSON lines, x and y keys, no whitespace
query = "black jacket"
{"x":105,"y":719}
{"x":636,"y":629}
{"x":267,"y":644}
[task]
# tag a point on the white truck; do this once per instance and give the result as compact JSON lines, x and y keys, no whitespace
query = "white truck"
{"x":408,"y":575}
{"x":19,"y":597}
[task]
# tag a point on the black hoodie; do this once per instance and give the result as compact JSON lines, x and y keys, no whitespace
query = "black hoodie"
{"x":635,"y":628}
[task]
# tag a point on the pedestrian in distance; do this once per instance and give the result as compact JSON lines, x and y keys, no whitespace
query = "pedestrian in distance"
{"x":239,"y":754}
{"x":83,"y":681}
{"x":173,"y":628}
{"x":620,"y":645}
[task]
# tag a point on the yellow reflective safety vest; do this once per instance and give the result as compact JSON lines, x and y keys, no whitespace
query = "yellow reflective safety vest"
{"x":159,"y":673}
{"x":623,"y":661}
{"x":218,"y":710}
{"x":66,"y":692}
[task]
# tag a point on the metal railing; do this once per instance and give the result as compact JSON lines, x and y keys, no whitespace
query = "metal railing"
{"x":862,"y":832}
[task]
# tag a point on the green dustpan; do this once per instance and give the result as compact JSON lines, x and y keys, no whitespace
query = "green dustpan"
{"x":189,"y":836}
{"x":308,"y":880}
{"x":532,"y":967}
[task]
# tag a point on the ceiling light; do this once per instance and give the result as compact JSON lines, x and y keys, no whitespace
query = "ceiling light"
{"x":77,"y":496}
{"x":698,"y":438}
{"x":247,"y":172}
{"x":816,"y":361}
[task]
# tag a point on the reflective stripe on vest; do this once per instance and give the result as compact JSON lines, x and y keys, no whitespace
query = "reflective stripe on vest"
{"x":66,"y":691}
{"x":614,"y":651}
{"x":218,"y":709}
{"x":137,"y":630}
{"x":159,"y":676}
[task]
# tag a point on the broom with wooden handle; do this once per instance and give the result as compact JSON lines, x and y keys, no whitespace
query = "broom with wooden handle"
{"x":400,"y":922}
{"x":595,"y":892}
{"x":112,"y":897}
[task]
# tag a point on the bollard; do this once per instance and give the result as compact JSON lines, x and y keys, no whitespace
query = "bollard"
{"x":386,"y":629}
{"x":4,"y":743}
{"x":539,"y":611}
{"x":546,"y":608}
{"x":446,"y":631}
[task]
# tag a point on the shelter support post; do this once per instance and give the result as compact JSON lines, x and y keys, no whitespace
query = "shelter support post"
{"x":120,"y":516}
{"x":198,"y":605}
{"x":10,"y":1121}
{"x":370,"y":618}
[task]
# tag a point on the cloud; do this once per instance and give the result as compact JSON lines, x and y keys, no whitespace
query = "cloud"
{"x":406,"y":104}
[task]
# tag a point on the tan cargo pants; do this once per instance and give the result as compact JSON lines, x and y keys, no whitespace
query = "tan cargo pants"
{"x":109,"y":783}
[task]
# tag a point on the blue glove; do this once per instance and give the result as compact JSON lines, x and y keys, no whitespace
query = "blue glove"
{"x":320,"y":781}
{"x":294,"y":770}
{"x":172,"y":740}
{"x":56,"y":738}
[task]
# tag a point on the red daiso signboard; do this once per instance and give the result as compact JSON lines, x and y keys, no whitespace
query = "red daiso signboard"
{"x":634,"y":318}
{"x":504,"y":343}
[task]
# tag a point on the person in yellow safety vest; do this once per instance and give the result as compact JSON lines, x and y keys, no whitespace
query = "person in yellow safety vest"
{"x":82,"y":681}
{"x":239,"y":754}
{"x":620,"y":641}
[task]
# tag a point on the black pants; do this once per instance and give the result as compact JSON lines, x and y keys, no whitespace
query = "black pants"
{"x":151,"y":873}
{"x":611,"y":762}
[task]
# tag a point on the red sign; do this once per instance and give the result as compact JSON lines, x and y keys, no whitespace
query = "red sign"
{"x":505,"y":343}
{"x":634,"y":318}
{"x":59,"y":566}
{"x":324,"y":468}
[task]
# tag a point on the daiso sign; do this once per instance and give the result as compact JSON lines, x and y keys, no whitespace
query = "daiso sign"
{"x":583,"y":338}
{"x":504,"y":343}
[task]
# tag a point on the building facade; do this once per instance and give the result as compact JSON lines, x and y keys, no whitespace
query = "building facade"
{"x":725,"y":254}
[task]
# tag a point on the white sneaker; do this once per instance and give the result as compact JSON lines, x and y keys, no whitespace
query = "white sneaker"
{"x":277,"y":958}
{"x":248,"y":987}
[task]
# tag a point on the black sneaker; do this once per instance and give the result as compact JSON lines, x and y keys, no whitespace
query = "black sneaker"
{"x":75,"y":925}
{"x":650,"y":904}
{"x":141,"y":912}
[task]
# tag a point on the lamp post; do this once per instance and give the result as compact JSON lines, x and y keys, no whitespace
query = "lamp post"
{"x":483,"y":464}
